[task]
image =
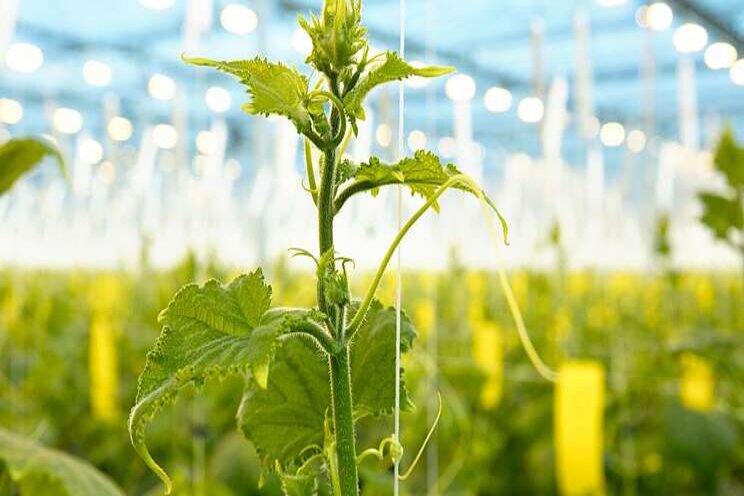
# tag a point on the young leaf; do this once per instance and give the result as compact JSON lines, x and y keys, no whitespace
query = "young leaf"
{"x":288,"y":416}
{"x":19,"y":156}
{"x":208,"y":331}
{"x":393,"y":68}
{"x":38,"y":470}
{"x":337,"y":35}
{"x":274,"y":87}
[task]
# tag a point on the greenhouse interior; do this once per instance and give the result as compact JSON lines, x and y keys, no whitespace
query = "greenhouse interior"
{"x":371,"y":247}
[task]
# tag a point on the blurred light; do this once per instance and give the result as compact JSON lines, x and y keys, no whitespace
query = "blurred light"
{"x":384,"y":135}
{"x":720,"y":56}
{"x":690,"y":38}
{"x":659,"y":16}
{"x":23,"y":57}
{"x":165,"y":136}
{"x":447,"y":146}
{"x":161,"y":87}
{"x":530,"y":110}
{"x":232,"y":169}
{"x":206,"y":142}
{"x":416,"y":140}
{"x":301,"y":42}
{"x":218,"y":99}
{"x":497,"y":99}
{"x":107,"y":172}
{"x":612,"y":134}
{"x":67,"y":120}
{"x":238,"y":19}
{"x":640,"y":16}
{"x":97,"y":73}
{"x":592,"y":127}
{"x":417,"y":81}
{"x":119,"y":128}
{"x":11,"y":111}
{"x":460,"y":88}
{"x":157,"y":4}
{"x":611,"y":3}
{"x":51,"y":139}
{"x":90,"y":150}
{"x":636,"y":141}
{"x":737,"y":72}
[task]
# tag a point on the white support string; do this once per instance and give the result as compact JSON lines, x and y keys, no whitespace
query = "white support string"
{"x":399,"y":279}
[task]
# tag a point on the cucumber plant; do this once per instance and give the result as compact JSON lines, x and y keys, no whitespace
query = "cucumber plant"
{"x":311,"y":373}
{"x":723,"y":212}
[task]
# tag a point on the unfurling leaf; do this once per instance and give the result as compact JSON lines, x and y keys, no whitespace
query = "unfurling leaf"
{"x":287,"y":418}
{"x":18,"y":156}
{"x":393,"y":68}
{"x":208,"y":331}
{"x":337,"y":35}
{"x":274,"y":87}
{"x":38,"y":470}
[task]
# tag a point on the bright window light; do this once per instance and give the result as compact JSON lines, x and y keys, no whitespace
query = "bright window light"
{"x":119,"y":128}
{"x":384,"y":135}
{"x":417,"y":140}
{"x":690,"y":38}
{"x":612,"y":134}
{"x":218,"y":99}
{"x":238,"y":19}
{"x":97,"y":73}
{"x":161,"y":87}
{"x":497,"y":99}
{"x":636,"y":141}
{"x":659,"y":16}
{"x":737,"y":72}
{"x":460,"y":88}
{"x":90,"y":151}
{"x":530,"y":110}
{"x":67,"y":120}
{"x":11,"y":111}
{"x":23,"y":57}
{"x":165,"y":136}
{"x":206,"y":143}
{"x":720,"y":55}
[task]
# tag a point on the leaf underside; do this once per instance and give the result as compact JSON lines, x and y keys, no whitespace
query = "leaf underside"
{"x":38,"y":470}
{"x":19,"y":156}
{"x":211,"y":331}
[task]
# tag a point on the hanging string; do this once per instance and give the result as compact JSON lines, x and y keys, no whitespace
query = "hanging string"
{"x":399,"y":278}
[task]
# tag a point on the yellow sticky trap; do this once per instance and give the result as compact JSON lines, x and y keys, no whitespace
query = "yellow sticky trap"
{"x":104,"y":377}
{"x":696,"y":383}
{"x":488,"y":357}
{"x":102,"y":352}
{"x":424,"y":316}
{"x":578,"y":416}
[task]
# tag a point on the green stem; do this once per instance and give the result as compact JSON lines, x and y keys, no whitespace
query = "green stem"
{"x":343,"y":422}
{"x":340,"y":371}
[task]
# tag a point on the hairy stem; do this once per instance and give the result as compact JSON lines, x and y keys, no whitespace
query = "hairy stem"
{"x":340,"y":371}
{"x":343,"y":422}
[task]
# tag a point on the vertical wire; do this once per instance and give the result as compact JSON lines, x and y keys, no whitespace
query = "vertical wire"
{"x":399,"y":279}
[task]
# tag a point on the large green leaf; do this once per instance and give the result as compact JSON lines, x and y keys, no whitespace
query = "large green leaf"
{"x":287,"y":418}
{"x":208,"y":331}
{"x":373,"y":362}
{"x":729,"y":159}
{"x":274,"y":87}
{"x":19,"y":156}
{"x":721,"y":214}
{"x":392,"y":68}
{"x":39,"y":471}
